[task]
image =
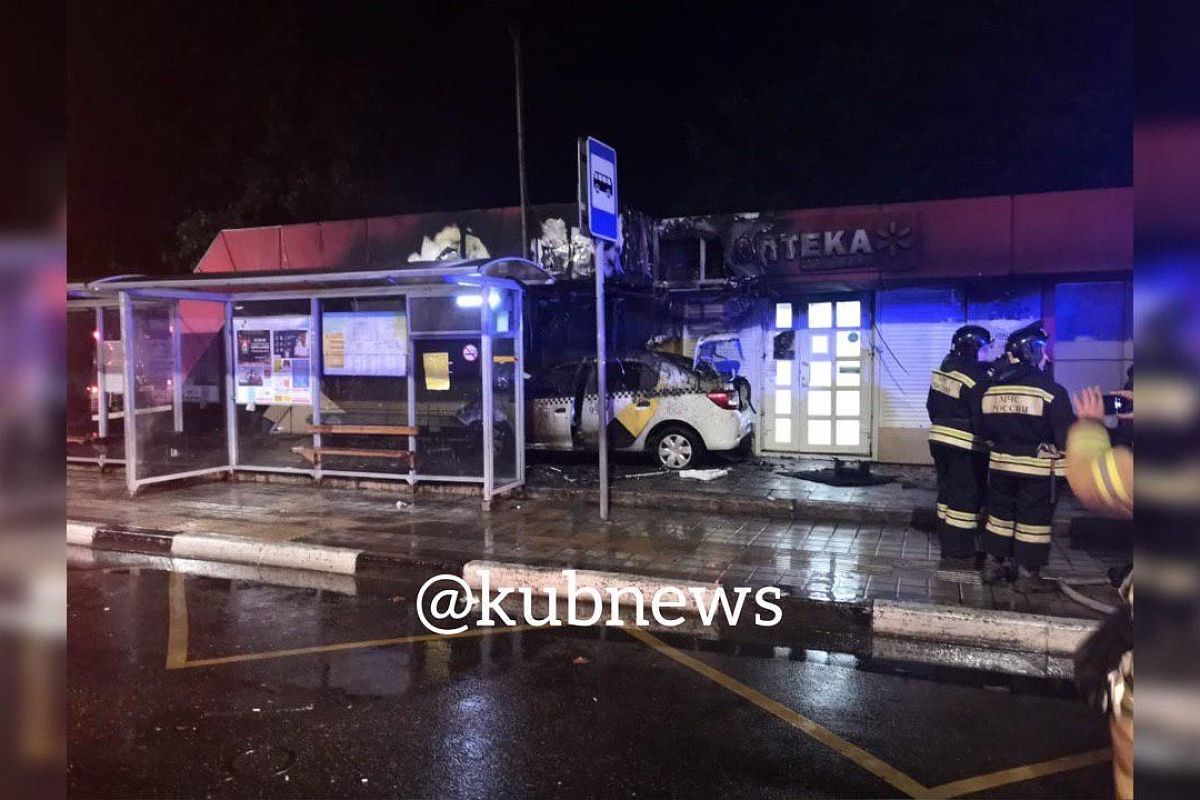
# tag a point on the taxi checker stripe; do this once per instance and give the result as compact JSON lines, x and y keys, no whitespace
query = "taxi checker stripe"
{"x":1031,"y":391}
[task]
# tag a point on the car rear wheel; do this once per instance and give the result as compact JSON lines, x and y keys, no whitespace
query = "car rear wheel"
{"x":678,"y":448}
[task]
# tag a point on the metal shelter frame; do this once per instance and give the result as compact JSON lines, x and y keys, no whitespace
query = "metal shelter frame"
{"x":410,"y":282}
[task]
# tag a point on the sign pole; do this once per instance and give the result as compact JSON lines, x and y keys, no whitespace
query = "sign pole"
{"x":601,"y":377}
{"x":600,"y":211}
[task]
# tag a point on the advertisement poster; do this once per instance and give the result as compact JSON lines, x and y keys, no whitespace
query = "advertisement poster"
{"x":365,"y":343}
{"x":273,"y":360}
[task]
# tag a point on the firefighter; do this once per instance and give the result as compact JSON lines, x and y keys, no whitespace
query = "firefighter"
{"x":1025,"y":415}
{"x":959,"y":453}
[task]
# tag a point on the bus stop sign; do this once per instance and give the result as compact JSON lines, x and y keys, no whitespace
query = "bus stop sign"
{"x":598,"y":184}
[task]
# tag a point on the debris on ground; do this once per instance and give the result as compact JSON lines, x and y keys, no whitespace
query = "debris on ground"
{"x":580,"y":660}
{"x":704,"y":474}
{"x":404,"y":505}
{"x":397,"y":598}
{"x":636,"y":475}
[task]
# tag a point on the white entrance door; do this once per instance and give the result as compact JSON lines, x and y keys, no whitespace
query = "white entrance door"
{"x":818,"y":377}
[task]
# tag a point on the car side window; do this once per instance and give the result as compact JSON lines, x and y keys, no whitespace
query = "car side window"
{"x":556,"y":382}
{"x":640,"y":377}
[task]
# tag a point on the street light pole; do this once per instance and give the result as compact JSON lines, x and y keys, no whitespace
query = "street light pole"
{"x":516,"y":42}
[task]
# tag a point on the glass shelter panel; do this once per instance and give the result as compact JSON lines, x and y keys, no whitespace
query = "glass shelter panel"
{"x":364,"y":367}
{"x":274,"y":345}
{"x":178,"y":378}
{"x":82,"y":384}
{"x":506,"y":378}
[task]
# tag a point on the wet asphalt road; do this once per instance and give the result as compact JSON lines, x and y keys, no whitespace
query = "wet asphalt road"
{"x":190,"y":686}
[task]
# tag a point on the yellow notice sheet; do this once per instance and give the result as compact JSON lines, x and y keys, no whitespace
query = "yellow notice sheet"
{"x":437,"y":371}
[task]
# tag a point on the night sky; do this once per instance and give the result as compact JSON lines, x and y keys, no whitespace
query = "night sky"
{"x":188,"y":117}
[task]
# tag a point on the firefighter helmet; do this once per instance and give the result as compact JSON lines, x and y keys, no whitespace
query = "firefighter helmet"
{"x":1027,"y":345}
{"x":969,"y":340}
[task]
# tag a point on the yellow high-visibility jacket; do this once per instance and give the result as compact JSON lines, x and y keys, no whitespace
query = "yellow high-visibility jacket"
{"x":1100,"y":475}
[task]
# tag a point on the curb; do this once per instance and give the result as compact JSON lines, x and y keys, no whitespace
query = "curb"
{"x":218,"y":547}
{"x":991,"y":630}
{"x":775,"y":508}
{"x":1005,"y":630}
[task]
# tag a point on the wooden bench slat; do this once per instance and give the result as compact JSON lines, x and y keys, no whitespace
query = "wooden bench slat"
{"x":370,"y":430}
{"x":313,"y":453}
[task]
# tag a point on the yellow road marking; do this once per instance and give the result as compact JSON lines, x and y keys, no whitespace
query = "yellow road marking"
{"x":862,"y":758}
{"x":177,"y":647}
{"x":177,"y":622}
{"x":333,"y":648}
{"x":1018,"y":774}
{"x":177,"y":637}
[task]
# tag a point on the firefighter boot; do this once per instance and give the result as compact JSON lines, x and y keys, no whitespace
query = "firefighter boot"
{"x":994,"y":571}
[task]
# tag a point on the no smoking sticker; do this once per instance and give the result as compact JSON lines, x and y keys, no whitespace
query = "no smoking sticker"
{"x":470,"y":352}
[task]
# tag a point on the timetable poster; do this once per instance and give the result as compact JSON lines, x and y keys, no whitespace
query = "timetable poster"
{"x":365,"y":343}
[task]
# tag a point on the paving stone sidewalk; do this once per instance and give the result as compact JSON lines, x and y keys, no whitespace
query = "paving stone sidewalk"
{"x":845,"y":561}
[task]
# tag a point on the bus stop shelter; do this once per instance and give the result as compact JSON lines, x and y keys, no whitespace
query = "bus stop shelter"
{"x":410,"y":373}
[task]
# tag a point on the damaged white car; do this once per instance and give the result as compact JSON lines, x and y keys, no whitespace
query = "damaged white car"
{"x":661,"y":404}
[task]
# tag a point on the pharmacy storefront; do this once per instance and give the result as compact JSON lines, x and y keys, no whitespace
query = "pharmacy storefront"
{"x":844,"y":312}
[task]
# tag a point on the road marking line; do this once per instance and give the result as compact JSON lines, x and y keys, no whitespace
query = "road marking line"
{"x":177,"y":622}
{"x":1017,"y":774}
{"x":862,"y":758}
{"x":177,"y":636}
{"x":333,"y":648}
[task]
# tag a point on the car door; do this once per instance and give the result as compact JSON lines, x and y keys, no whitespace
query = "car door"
{"x":552,"y":405}
{"x":630,"y":386}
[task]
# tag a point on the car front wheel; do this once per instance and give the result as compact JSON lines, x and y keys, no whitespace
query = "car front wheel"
{"x":678,"y":448}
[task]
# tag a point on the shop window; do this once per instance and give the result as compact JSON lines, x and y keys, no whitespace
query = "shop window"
{"x":820,"y":315}
{"x":783,"y":316}
{"x":783,"y":430}
{"x":849,"y":344}
{"x":848,"y":404}
{"x":820,"y":403}
{"x":783,"y":373}
{"x":712,"y":264}
{"x":849,"y":373}
{"x":848,"y":432}
{"x":820,"y":344}
{"x":820,"y":432}
{"x":820,"y":373}
{"x":849,"y":314}
{"x":1076,"y":306}
{"x":783,"y":401}
{"x":679,"y":259}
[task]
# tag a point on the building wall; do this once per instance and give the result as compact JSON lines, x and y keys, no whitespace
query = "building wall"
{"x":1090,"y":323}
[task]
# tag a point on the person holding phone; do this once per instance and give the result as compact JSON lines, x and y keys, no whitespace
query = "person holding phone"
{"x":1101,"y":477}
